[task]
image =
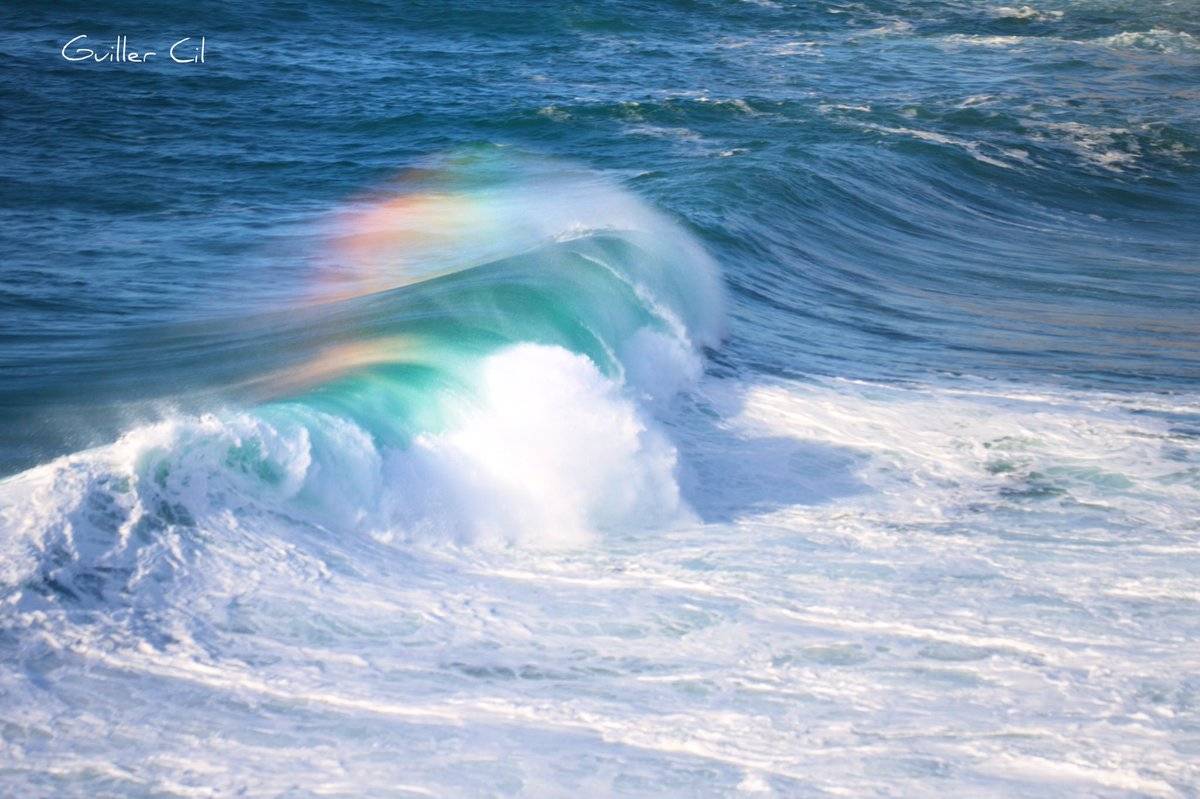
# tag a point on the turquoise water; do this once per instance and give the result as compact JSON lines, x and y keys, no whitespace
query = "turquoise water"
{"x":698,"y":398}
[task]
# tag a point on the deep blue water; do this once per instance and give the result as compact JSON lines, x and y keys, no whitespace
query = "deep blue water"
{"x":930,"y":266}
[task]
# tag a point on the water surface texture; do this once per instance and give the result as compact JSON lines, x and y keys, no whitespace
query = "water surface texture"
{"x":674,"y":399}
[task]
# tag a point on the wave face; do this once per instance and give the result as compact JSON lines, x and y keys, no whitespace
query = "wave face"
{"x":676,"y":399}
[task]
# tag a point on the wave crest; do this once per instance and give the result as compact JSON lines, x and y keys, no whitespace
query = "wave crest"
{"x":497,"y":403}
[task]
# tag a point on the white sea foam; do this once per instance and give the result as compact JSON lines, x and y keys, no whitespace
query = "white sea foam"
{"x":826,"y":108}
{"x":1025,"y":13}
{"x":974,"y":148}
{"x":801,"y":48}
{"x":989,"y":41}
{"x":1112,"y":148}
{"x":1154,"y":40}
{"x":551,"y":454}
{"x":893,"y":27}
{"x":987,"y":587}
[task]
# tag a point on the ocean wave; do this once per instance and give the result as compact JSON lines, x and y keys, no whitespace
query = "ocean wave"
{"x":547,"y":452}
{"x":505,"y":402}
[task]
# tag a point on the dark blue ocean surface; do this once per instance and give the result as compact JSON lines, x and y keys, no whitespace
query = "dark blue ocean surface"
{"x":845,"y":355}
